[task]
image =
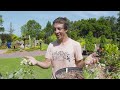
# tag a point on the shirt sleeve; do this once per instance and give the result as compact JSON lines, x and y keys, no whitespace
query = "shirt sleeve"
{"x":48,"y":54}
{"x":78,"y":52}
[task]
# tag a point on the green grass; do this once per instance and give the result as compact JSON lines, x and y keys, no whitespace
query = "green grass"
{"x":9,"y":65}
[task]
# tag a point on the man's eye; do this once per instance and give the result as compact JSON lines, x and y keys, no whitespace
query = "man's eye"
{"x":59,"y":28}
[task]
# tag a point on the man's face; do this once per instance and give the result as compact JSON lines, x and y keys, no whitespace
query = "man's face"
{"x":59,"y":30}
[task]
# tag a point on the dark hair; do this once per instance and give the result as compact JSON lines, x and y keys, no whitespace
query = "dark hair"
{"x":62,"y":20}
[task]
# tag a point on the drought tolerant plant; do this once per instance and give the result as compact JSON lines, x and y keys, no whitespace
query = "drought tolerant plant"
{"x":111,"y":55}
{"x":25,"y":72}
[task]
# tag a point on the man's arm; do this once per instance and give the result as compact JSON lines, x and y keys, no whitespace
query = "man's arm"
{"x":80,"y":63}
{"x":42,"y":64}
{"x":91,"y":59}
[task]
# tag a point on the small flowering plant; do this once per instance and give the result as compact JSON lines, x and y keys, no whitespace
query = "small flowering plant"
{"x":25,"y":62}
{"x":24,"y":72}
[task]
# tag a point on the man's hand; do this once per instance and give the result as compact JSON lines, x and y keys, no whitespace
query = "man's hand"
{"x":91,"y":59}
{"x":31,"y":60}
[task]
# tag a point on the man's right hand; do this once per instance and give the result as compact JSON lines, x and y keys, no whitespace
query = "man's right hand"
{"x":31,"y":60}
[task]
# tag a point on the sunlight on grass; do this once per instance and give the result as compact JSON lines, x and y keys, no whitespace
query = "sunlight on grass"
{"x":9,"y":65}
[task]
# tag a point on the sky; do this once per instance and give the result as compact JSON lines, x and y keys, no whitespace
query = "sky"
{"x":19,"y":18}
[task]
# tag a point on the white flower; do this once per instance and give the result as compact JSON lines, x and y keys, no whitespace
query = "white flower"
{"x":103,"y":65}
{"x":92,"y":70}
{"x":24,"y":62}
{"x":86,"y":66}
{"x":96,"y":78}
{"x":29,"y":63}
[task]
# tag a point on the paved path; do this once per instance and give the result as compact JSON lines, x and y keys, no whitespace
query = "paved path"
{"x":3,"y":51}
{"x":21,"y":54}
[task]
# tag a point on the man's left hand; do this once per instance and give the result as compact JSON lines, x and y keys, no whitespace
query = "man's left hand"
{"x":91,"y":59}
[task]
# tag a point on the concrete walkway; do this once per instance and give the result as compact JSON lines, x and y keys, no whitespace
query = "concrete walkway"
{"x":3,"y":51}
{"x":21,"y":54}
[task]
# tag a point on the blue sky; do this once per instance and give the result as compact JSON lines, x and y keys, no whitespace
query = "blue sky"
{"x":19,"y":18}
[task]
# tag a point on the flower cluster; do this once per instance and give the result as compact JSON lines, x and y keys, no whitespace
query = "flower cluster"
{"x":25,"y":62}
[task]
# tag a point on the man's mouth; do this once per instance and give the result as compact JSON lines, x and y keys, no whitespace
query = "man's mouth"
{"x":58,"y":35}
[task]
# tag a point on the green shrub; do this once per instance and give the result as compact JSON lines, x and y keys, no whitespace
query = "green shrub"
{"x":82,"y":42}
{"x":111,"y":56}
{"x":90,"y":47}
{"x":51,"y":38}
{"x":3,"y":47}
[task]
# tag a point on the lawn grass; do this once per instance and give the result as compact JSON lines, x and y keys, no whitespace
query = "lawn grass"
{"x":9,"y":65}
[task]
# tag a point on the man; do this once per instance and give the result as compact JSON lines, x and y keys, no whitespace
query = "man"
{"x":64,"y":52}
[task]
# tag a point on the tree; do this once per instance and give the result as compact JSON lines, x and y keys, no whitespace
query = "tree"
{"x":1,"y":24}
{"x":118,"y":29}
{"x":74,"y":34}
{"x":118,"y":17}
{"x":49,"y":28}
{"x":114,"y":37}
{"x":89,"y":42}
{"x":24,"y":30}
{"x":90,"y":36}
{"x":14,"y":37}
{"x":102,"y":41}
{"x":118,"y":25}
{"x":47,"y":31}
{"x":113,"y":21}
{"x":31,"y":30}
{"x":5,"y":38}
{"x":51,"y":38}
{"x":11,"y":29}
{"x":41,"y":35}
{"x":104,"y":27}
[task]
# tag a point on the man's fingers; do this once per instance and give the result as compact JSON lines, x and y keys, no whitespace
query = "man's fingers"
{"x":91,"y":59}
{"x":95,"y":61}
{"x":30,"y":63}
{"x":94,"y":55}
{"x":91,"y":62}
{"x":27,"y":57}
